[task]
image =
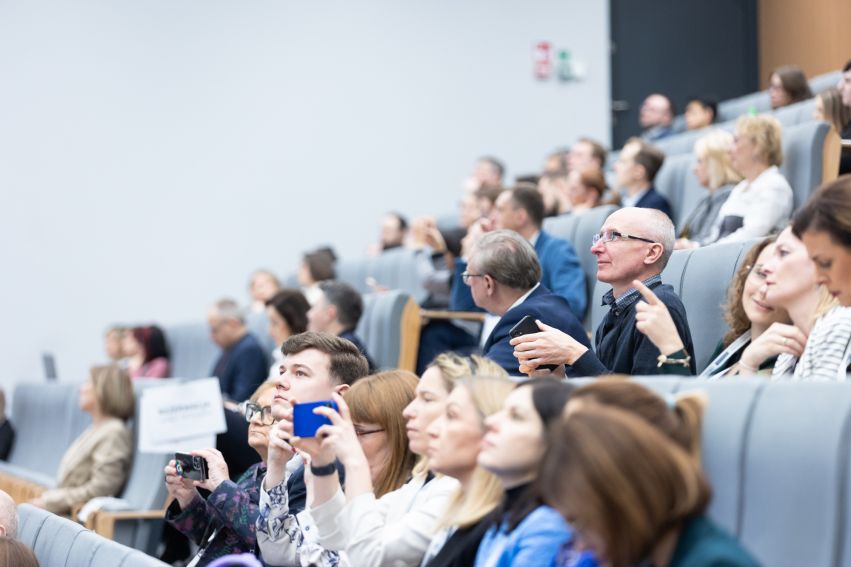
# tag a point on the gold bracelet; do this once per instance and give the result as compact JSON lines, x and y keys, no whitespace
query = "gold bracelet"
{"x":663,"y":359}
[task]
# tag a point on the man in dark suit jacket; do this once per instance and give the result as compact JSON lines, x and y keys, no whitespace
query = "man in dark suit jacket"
{"x":243,"y":365}
{"x":504,"y":275}
{"x":522,"y":210}
{"x":635,"y":171}
{"x":337,"y":311}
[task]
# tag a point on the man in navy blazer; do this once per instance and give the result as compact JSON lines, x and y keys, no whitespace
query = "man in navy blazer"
{"x":522,"y":210}
{"x":503,"y":275}
{"x":635,"y":171}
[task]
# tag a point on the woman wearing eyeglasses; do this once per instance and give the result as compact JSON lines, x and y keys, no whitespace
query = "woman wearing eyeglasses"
{"x":225,"y":522}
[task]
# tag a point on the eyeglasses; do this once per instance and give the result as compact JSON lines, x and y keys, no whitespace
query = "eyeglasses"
{"x":250,"y":409}
{"x":359,"y":431}
{"x":465,"y":277}
{"x":613,"y":235}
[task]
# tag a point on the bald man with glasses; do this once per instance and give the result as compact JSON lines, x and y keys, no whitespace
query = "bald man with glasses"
{"x":634,"y":244}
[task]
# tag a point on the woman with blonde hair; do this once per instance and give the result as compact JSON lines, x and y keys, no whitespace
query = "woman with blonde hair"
{"x":762,"y":202}
{"x":455,"y":440}
{"x":715,"y":172}
{"x":397,"y":528}
{"x":633,"y":496}
{"x":98,"y":461}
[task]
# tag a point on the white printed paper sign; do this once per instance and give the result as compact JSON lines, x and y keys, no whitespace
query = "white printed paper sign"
{"x":180,"y":416}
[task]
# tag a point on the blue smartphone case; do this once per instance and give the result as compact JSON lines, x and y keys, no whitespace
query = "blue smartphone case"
{"x":305,"y":422}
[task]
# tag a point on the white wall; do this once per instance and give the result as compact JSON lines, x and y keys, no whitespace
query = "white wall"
{"x":153,"y":153}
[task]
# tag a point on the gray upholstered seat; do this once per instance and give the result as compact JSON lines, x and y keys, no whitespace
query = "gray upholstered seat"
{"x":735,"y":107}
{"x":393,"y":269}
{"x":797,"y":113}
{"x":47,"y":419}
{"x":823,"y":82}
{"x":193,"y":353}
{"x":701,"y":278}
{"x":777,"y":457}
{"x":803,"y":151}
{"x":59,"y":542}
{"x":382,"y":326}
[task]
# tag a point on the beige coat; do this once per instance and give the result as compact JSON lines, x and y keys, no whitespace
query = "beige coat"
{"x":96,"y":464}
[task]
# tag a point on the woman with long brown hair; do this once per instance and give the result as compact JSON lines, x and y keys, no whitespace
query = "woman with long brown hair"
{"x":788,"y":85}
{"x":631,"y":494}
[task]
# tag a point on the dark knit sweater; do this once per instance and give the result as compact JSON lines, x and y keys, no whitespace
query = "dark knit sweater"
{"x":623,"y":349}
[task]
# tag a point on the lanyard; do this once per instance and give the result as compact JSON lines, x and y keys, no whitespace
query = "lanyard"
{"x":714,"y":369}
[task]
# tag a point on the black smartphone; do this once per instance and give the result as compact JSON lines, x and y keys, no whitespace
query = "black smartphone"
{"x":190,"y":466}
{"x":527,"y":326}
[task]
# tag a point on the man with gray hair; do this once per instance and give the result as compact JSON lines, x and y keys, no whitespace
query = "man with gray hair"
{"x":634,"y":244}
{"x":242,"y":365}
{"x":8,"y":516}
{"x":504,"y":276}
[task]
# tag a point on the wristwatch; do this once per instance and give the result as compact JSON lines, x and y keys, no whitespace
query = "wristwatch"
{"x":680,"y":358}
{"x":326,"y":470}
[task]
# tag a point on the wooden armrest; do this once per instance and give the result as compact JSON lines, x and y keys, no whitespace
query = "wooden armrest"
{"x":446,"y":314}
{"x":102,"y":522}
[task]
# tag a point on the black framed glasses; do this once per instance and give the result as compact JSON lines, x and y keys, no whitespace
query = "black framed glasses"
{"x":250,"y":409}
{"x":465,"y":277}
{"x":361,"y":432}
{"x":613,"y":235}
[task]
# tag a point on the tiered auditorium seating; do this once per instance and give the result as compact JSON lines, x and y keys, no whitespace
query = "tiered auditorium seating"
{"x":393,"y":269}
{"x":60,"y":542}
{"x":776,"y":454}
{"x":390,"y":328}
{"x":701,"y":277}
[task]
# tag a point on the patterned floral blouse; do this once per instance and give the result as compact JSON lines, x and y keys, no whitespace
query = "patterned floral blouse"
{"x":230,"y":511}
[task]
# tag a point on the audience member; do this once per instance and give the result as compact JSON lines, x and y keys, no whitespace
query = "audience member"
{"x":504,"y":277}
{"x":7,"y":431}
{"x":817,"y":343}
{"x":486,"y":198}
{"x":394,"y":231}
{"x":395,"y":529}
{"x":635,"y":171}
{"x":97,"y":462}
{"x":8,"y":516}
{"x":488,"y":173}
{"x":656,"y":117}
{"x":700,"y":113}
{"x":525,"y":531}
{"x":15,"y":554}
{"x":337,"y":311}
{"x":286,"y":312}
{"x":455,"y":439}
{"x":556,"y":163}
{"x":224,"y":522}
{"x":586,"y":153}
{"x":824,"y":225}
{"x":762,"y":202}
{"x":633,"y":244}
{"x":375,"y":436}
{"x":829,"y":108}
{"x":242,"y":366}
{"x":553,"y":190}
{"x":262,"y":285}
{"x":112,"y":343}
{"x":147,"y":352}
{"x":317,"y":266}
{"x":521,"y":210}
{"x":585,"y":189}
{"x":315,"y":367}
{"x":634,"y":495}
{"x":748,"y":314}
{"x":844,"y":87}
{"x":713,"y":170}
{"x":788,"y":85}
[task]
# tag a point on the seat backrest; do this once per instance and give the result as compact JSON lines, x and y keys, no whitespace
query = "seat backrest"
{"x":563,"y":226}
{"x":735,"y":107}
{"x":797,"y":113}
{"x":671,"y":181}
{"x":193,"y":353}
{"x":394,"y":269}
{"x":386,"y":327}
{"x":47,"y":419}
{"x":803,"y":154}
{"x":823,"y":82}
{"x":57,"y":541}
{"x":777,"y":457}
{"x":701,"y":278}
{"x":258,"y":325}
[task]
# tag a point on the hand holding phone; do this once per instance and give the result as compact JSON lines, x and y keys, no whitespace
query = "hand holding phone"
{"x":528,"y":326}
{"x":305,"y":422}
